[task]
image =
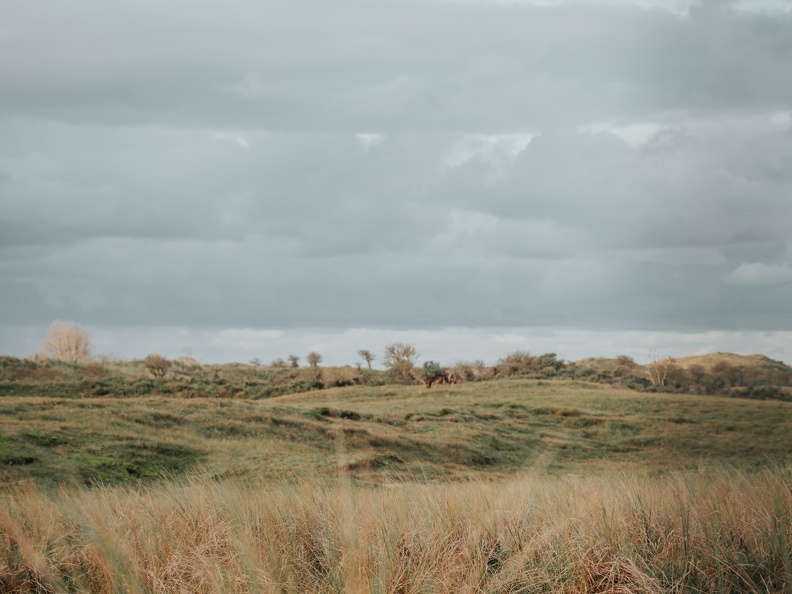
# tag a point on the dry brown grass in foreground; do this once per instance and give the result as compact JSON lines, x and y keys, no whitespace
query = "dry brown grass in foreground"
{"x":706,"y":531}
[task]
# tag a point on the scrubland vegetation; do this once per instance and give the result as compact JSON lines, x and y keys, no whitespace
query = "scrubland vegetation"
{"x":127,"y":424}
{"x":532,"y":475}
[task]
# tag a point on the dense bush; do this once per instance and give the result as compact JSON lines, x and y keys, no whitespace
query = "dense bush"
{"x":469,"y":371}
{"x":522,"y":363}
{"x":157,"y":365}
{"x":399,"y":360}
{"x":432,"y":370}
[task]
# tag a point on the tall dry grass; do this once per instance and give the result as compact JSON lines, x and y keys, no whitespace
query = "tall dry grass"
{"x":704,"y":531}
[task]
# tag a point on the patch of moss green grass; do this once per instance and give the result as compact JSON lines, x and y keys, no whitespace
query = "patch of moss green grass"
{"x":385,"y":433}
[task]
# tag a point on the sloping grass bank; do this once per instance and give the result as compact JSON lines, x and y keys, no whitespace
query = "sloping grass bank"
{"x":382,"y":433}
{"x":708,"y":531}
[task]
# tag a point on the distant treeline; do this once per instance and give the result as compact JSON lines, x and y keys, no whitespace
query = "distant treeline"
{"x":187,"y":378}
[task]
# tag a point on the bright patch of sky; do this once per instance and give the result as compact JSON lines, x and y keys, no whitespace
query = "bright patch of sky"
{"x":677,"y":7}
{"x":634,"y":135}
{"x":783,"y":119}
{"x":368,"y":140}
{"x":497,"y":150}
{"x":760,"y":274}
{"x":234,"y":137}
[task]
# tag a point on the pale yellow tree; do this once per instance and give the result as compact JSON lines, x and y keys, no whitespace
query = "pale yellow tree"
{"x":66,"y":341}
{"x":658,"y":370}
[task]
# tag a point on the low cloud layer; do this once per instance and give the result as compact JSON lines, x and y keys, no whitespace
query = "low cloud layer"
{"x":286,"y":166}
{"x":760,"y":274}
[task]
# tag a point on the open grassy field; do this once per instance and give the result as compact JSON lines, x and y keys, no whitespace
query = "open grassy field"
{"x":383,"y":433}
{"x":507,"y":485}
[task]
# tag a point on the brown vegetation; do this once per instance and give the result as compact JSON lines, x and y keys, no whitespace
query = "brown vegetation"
{"x":747,"y":376}
{"x":435,"y":375}
{"x":550,"y":486}
{"x":522,"y":363}
{"x":709,"y":531}
{"x":753,"y":369}
{"x":66,"y":341}
{"x":367,"y":356}
{"x":157,"y":365}
{"x":399,"y":359}
{"x":314,"y":359}
{"x":659,"y":369}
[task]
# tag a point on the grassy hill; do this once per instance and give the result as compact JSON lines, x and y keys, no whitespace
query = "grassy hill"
{"x":382,"y":433}
{"x":726,"y":374}
{"x":206,"y":480}
{"x":755,"y":369}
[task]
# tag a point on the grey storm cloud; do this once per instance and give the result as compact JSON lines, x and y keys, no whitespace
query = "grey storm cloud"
{"x":396,"y":164}
{"x":393,"y":64}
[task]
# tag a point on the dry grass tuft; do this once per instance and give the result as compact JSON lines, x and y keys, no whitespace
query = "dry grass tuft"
{"x":601,"y":575}
{"x":705,"y":531}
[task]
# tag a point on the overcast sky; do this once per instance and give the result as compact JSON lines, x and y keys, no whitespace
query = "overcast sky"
{"x":249,"y":178}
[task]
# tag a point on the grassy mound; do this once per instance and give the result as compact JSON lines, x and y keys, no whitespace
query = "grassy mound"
{"x":385,"y":433}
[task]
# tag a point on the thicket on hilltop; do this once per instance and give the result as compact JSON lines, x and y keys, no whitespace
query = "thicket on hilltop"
{"x":470,"y":371}
{"x":96,"y":368}
{"x":625,"y":365}
{"x":66,"y":341}
{"x":432,"y":372}
{"x":524,"y":363}
{"x":339,"y":377}
{"x":157,"y":365}
{"x":666,"y":374}
{"x":399,"y":359}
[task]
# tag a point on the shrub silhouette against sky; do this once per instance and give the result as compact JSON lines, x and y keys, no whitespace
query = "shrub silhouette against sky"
{"x":66,"y":341}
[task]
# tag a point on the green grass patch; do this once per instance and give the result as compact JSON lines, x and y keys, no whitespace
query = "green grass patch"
{"x":494,"y":429}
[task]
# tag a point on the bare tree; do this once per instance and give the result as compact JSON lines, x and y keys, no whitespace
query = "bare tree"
{"x":66,"y":341}
{"x":294,"y":361}
{"x":314,"y":358}
{"x":367,"y":356}
{"x":255,"y":363}
{"x":400,"y":360}
{"x":657,"y":369}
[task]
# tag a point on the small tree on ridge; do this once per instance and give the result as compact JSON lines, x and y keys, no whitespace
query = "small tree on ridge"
{"x":400,"y":360}
{"x":367,"y":356}
{"x":66,"y":341}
